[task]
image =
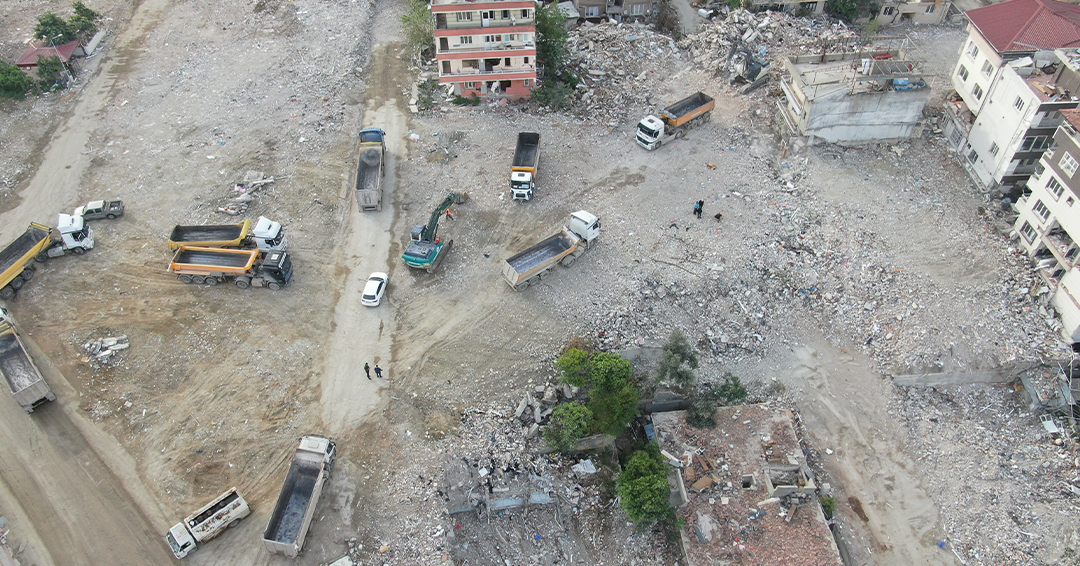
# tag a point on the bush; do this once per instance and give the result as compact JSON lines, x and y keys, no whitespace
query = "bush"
{"x":872,"y":27}
{"x":574,"y":367}
{"x":569,"y":422}
{"x":613,"y":410}
{"x":828,"y":505}
{"x":419,"y":27}
{"x":643,"y":487}
{"x":14,"y":83}
{"x":678,"y":361}
{"x":612,"y":397}
{"x":463,"y":101}
{"x":731,"y":392}
{"x":50,"y":72}
{"x":701,"y":413}
{"x":555,"y":94}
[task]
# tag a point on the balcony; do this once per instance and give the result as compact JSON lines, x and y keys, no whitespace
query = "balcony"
{"x":527,"y":72}
{"x":502,"y":3}
{"x":1061,"y":246}
{"x":490,"y":47}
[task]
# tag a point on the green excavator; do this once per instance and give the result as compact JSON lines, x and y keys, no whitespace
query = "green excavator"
{"x":426,"y":250}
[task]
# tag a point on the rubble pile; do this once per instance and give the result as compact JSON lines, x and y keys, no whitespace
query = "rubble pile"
{"x":105,"y":352}
{"x":1010,"y":459}
{"x":617,"y":63}
{"x":246,"y":191}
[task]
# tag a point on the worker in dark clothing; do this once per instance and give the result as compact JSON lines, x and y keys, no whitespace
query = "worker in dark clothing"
{"x":719,"y":216}
{"x":367,"y":370}
{"x":378,"y":371}
{"x":699,"y":207}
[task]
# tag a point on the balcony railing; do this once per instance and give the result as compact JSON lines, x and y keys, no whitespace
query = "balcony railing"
{"x":489,"y":47}
{"x":477,"y":23}
{"x":1062,"y":246}
{"x":498,"y":70}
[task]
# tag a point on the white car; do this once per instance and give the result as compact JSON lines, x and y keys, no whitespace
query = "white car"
{"x":374,"y":289}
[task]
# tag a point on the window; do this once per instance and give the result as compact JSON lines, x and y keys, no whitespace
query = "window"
{"x":592,"y":11}
{"x":528,"y":83}
{"x":977,"y":91}
{"x":488,"y":15}
{"x":1041,"y":210}
{"x":1055,"y":187}
{"x":988,"y":69}
{"x":1036,"y":143}
{"x":956,"y":136}
{"x":506,"y":14}
{"x":888,"y":11}
{"x":637,"y":9}
{"x":810,"y":6}
{"x":1068,"y":164}
{"x":464,"y":16}
{"x":1018,"y":103}
{"x":972,"y":49}
{"x":1028,"y":231}
{"x":973,"y":157}
{"x":525,"y":14}
{"x":994,"y":148}
{"x":1069,"y":201}
{"x":930,"y":9}
{"x":466,"y":40}
{"x":468,"y":85}
{"x":492,"y":38}
{"x":962,"y":73}
{"x":526,"y":60}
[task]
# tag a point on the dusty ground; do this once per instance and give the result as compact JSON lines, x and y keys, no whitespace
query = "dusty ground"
{"x":219,"y":382}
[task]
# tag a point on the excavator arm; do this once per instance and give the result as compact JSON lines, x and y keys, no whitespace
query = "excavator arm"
{"x":432,"y":227}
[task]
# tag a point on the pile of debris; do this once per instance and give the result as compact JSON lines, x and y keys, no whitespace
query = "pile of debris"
{"x":761,"y":36}
{"x":616,"y":64}
{"x":245,"y":193}
{"x":104,"y":352}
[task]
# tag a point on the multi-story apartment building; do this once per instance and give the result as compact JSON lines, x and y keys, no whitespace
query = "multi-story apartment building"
{"x":1049,"y":223}
{"x":919,"y":12}
{"x":618,"y":10}
{"x":486,"y":48}
{"x":1008,"y":45}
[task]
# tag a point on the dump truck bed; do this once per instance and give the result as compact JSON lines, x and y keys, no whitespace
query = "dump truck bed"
{"x":368,"y":171}
{"x":688,"y":108}
{"x":527,"y":151}
{"x":213,"y":236}
{"x":522,"y":265}
{"x":213,"y":259}
{"x":20,"y":252}
{"x":19,"y":371}
{"x":290,"y":514}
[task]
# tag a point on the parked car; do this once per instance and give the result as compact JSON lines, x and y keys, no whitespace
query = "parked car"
{"x":374,"y":289}
{"x":96,"y":209}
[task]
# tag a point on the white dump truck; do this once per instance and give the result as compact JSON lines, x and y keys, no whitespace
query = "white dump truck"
{"x":24,"y":379}
{"x":523,"y":168}
{"x":209,"y":521}
{"x":536,"y":263}
{"x":289,"y":522}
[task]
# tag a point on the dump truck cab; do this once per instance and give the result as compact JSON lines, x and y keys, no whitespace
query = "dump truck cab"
{"x":180,"y":540}
{"x":585,"y":224}
{"x":269,"y":235}
{"x":650,"y":132}
{"x":277,"y":267}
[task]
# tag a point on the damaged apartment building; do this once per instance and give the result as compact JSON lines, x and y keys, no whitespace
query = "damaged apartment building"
{"x":853,"y":97}
{"x":743,"y":490}
{"x":1010,"y":88}
{"x":486,"y":48}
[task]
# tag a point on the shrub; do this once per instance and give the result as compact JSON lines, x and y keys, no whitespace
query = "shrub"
{"x":14,"y":83}
{"x":828,"y":505}
{"x":419,"y":27}
{"x":569,"y":422}
{"x":731,"y":392}
{"x":643,"y":487}
{"x":701,"y":413}
{"x":612,"y":397}
{"x":678,"y":361}
{"x":50,"y":72}
{"x":612,"y":410}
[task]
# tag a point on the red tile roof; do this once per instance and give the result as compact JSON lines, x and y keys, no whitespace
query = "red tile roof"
{"x":30,"y":56}
{"x":1073,"y":117}
{"x":1027,"y":25}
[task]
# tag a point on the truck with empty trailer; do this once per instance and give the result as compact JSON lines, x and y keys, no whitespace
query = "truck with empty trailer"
{"x":523,"y":168}
{"x":369,"y":170}
{"x":244,"y":268}
{"x":536,"y":263}
{"x":23,"y":377}
{"x":209,"y":521}
{"x":291,"y":517}
{"x":266,"y":236}
{"x":675,"y":120}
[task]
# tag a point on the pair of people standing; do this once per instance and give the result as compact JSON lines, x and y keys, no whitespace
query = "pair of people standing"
{"x":367,"y":371}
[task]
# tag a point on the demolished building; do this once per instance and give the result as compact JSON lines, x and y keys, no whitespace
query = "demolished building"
{"x":853,"y":97}
{"x":744,"y":490}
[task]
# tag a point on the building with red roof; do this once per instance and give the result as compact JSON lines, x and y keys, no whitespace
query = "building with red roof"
{"x":66,"y":52}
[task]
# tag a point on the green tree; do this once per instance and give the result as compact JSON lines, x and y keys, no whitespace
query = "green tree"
{"x":419,"y":27}
{"x":569,"y":422}
{"x":731,"y":391}
{"x":50,"y":72}
{"x":551,"y":37}
{"x":701,"y":413}
{"x":614,"y":409}
{"x":54,"y":30}
{"x":555,"y":94}
{"x":84,"y":20}
{"x":678,"y":361}
{"x":609,"y":372}
{"x":643,"y":487}
{"x":574,"y":367}
{"x":82,"y":11}
{"x":14,"y":83}
{"x":851,"y":10}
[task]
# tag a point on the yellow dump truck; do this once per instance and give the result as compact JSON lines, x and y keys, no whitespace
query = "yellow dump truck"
{"x":245,"y":268}
{"x":39,"y":242}
{"x":267,"y":235}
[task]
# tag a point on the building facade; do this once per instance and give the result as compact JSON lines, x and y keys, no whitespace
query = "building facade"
{"x":1048,"y":223}
{"x":618,"y":10}
{"x":1008,"y":47}
{"x":486,"y":48}
{"x":901,"y":12}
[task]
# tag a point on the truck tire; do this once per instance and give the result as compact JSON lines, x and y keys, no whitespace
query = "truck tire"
{"x":110,"y":216}
{"x":569,"y":260}
{"x":27,"y":274}
{"x":233,"y":523}
{"x":42,"y":257}
{"x":211,"y":280}
{"x":17,"y":283}
{"x":7,"y":293}
{"x":186,"y":279}
{"x":274,"y":286}
{"x":198,"y":279}
{"x":521,"y":286}
{"x":243,"y":282}
{"x":543,"y":275}
{"x":78,"y":251}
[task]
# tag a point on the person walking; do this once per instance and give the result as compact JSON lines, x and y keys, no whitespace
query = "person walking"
{"x":448,"y":215}
{"x":367,"y":370}
{"x":699,"y":207}
{"x":378,"y":371}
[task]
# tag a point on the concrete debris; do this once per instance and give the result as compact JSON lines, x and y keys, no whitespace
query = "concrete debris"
{"x":102,"y":352}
